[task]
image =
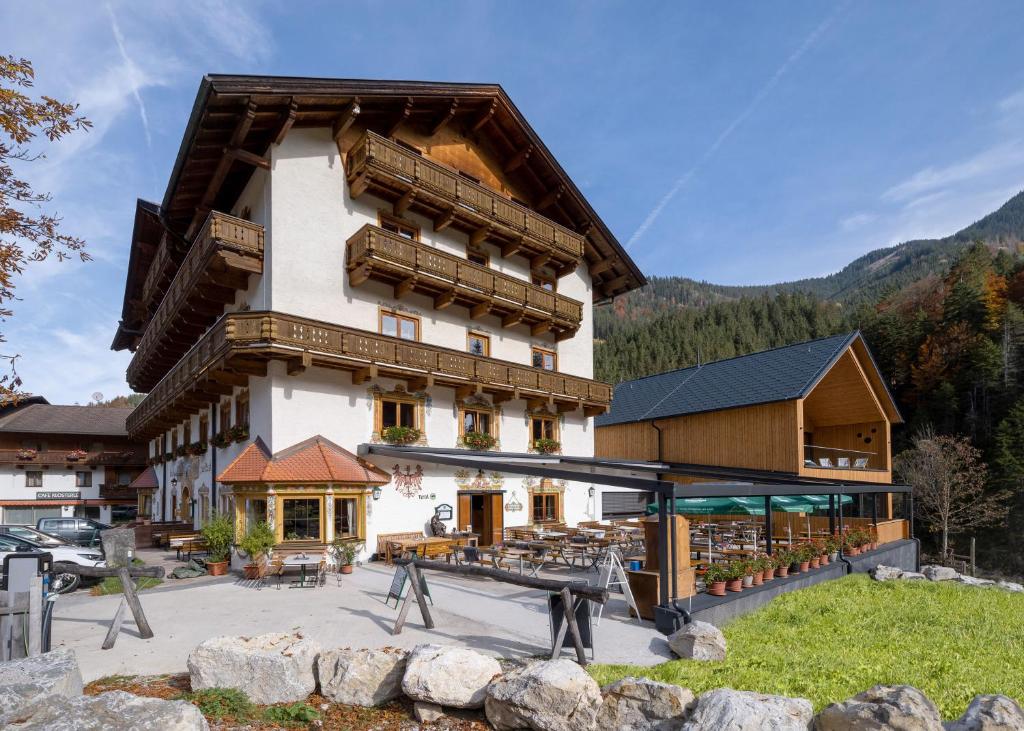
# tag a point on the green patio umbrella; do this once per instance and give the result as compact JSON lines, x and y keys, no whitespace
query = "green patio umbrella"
{"x":739,"y":505}
{"x":820,"y":502}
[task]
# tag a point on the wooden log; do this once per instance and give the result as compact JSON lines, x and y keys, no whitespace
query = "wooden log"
{"x":115,"y":626}
{"x":63,"y":567}
{"x":570,"y":620}
{"x":593,"y":593}
{"x":417,"y":589}
{"x":145,"y":631}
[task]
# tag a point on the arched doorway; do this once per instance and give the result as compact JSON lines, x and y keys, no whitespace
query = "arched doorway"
{"x":185,"y":506}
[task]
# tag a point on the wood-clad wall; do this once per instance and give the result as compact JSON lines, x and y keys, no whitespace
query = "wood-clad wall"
{"x":755,"y":437}
{"x":865,"y":437}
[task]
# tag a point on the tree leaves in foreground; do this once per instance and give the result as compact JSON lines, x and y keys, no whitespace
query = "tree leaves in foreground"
{"x":28,"y":233}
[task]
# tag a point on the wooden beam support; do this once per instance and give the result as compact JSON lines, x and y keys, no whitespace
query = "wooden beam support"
{"x":363,"y":375}
{"x":248,"y":157}
{"x":541,"y":327}
{"x":479,"y":236}
{"x":444,"y":299}
{"x":345,"y":120}
{"x":564,"y":407}
{"x":300,"y":364}
{"x":242,"y":128}
{"x":551,"y":197}
{"x":420,"y":383}
{"x":478,"y":311}
{"x":609,"y":288}
{"x":405,"y":287}
{"x":519,"y":159}
{"x":470,"y":389}
{"x":536,"y":403}
{"x":540,"y":260}
{"x":402,"y":116}
{"x":512,"y":247}
{"x":445,"y":118}
{"x":287,"y":122}
{"x":229,"y":378}
{"x":500,"y":397}
{"x":444,"y":220}
{"x":589,"y":411}
{"x":599,"y":267}
{"x":485,"y":116}
{"x":513,"y":318}
{"x":402,"y":204}
{"x":359,"y":275}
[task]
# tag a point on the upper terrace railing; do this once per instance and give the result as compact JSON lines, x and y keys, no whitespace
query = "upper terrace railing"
{"x":374,"y":159}
{"x":224,"y":248}
{"x":274,"y":335}
{"x":379,"y":254}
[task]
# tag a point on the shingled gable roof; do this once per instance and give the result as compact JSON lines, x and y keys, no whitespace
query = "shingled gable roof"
{"x":780,"y":374}
{"x":314,"y":460}
{"x":147,"y":480}
{"x":43,"y":418}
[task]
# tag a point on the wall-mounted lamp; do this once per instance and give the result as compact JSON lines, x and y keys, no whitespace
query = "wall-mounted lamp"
{"x":174,"y":482}
{"x":591,"y":491}
{"x":377,"y":492}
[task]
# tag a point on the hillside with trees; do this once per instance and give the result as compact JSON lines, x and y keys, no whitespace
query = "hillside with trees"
{"x":944,"y":319}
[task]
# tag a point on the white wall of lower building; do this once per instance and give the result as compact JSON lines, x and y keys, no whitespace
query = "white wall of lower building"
{"x":55,"y":480}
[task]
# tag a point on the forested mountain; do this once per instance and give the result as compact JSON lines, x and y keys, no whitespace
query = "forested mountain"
{"x":944,"y":319}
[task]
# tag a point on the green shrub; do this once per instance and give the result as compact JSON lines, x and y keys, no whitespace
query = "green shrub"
{"x":219,"y":533}
{"x":296,"y":713}
{"x":218,"y":703}
{"x":400,"y":434}
{"x":258,"y":540}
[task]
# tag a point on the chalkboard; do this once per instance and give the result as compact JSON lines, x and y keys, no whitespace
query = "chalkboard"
{"x":556,"y":615}
{"x":398,"y":585}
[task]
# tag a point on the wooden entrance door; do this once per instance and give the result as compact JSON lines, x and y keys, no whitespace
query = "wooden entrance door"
{"x":483,"y":511}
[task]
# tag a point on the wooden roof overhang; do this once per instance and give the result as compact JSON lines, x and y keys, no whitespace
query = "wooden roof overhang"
{"x":146,"y":234}
{"x":236,"y":118}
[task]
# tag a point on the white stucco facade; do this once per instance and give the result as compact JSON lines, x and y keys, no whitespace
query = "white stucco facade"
{"x":303,"y":202}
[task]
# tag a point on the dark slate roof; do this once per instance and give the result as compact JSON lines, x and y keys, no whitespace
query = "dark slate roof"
{"x":781,"y":374}
{"x":51,"y":419}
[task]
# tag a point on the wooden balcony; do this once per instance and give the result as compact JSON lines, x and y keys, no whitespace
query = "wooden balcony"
{"x":373,"y":253}
{"x":240,"y":344}
{"x":410,"y":180}
{"x":225,"y":252}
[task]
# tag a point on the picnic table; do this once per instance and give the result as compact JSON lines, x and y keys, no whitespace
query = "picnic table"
{"x":413,"y":545}
{"x":302,"y":561}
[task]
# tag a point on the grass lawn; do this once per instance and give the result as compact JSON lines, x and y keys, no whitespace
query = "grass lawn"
{"x":112,"y":585}
{"x":834,"y":640}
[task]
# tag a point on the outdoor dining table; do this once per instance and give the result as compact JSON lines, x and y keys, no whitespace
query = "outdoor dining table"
{"x":551,"y":534}
{"x":412,"y":544}
{"x":302,"y":561}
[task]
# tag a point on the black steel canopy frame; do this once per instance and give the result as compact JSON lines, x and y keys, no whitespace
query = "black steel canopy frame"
{"x":649,"y":477}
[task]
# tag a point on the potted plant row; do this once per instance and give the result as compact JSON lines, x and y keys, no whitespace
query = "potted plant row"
{"x":27,"y":454}
{"x":478,"y":441}
{"x":400,"y":435}
{"x":220,"y":440}
{"x":546,"y":446}
{"x":238,"y":433}
{"x":197,"y":449}
{"x":76,"y":454}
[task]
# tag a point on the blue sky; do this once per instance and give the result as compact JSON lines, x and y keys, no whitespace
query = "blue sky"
{"x":739,"y":142}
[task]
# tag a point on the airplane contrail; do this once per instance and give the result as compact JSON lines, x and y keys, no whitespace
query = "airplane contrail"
{"x":761,"y":95}
{"x":133,"y":72}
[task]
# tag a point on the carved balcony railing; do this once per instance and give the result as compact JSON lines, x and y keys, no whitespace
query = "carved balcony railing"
{"x":225,"y":251}
{"x":242,"y":340}
{"x":118,"y":492}
{"x":373,"y":253}
{"x":399,"y":174}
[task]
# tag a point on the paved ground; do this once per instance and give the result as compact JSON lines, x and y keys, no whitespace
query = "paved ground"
{"x":489,"y":616}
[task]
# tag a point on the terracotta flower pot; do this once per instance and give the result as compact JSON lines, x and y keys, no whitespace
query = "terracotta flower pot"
{"x":854,"y":550}
{"x":734,"y":585}
{"x":759,"y":578}
{"x":717,"y":588}
{"x":216,"y":568}
{"x":345,"y":568}
{"x":782,"y":571}
{"x":815,"y":563}
{"x":805,"y":565}
{"x":252,"y":571}
{"x":769,"y":574}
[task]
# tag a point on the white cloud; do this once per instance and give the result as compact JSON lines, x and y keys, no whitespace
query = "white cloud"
{"x":1005,"y":156}
{"x":857,"y":220}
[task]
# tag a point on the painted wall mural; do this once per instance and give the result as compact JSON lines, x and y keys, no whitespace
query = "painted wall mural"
{"x":408,"y":483}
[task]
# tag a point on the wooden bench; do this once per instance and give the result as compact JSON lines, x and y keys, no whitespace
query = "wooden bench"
{"x":384,"y":539}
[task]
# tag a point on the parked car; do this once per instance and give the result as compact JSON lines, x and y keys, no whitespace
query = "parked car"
{"x":31,"y":534}
{"x":63,"y":582}
{"x":80,"y":531}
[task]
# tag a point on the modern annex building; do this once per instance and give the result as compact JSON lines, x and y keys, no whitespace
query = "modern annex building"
{"x":340,"y":262}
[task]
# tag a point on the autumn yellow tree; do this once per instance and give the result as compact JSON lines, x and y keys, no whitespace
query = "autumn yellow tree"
{"x":28,"y":233}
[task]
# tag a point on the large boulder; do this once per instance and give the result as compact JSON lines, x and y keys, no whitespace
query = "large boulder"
{"x":895,"y":707}
{"x":1010,"y":586}
{"x":698,"y":641}
{"x":113,"y":710}
{"x":881,"y":572}
{"x":34,"y":681}
{"x":939,"y":573}
{"x":448,"y":676}
{"x":271,"y":668}
{"x":118,"y":546}
{"x":990,"y":713}
{"x":974,"y":581}
{"x":361,"y":677}
{"x":643,"y":704}
{"x":548,"y":695}
{"x":739,"y":710}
